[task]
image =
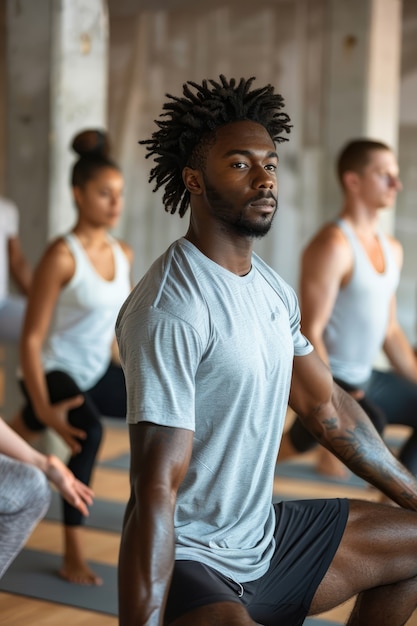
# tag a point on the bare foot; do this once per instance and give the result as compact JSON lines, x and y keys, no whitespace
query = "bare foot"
{"x":329,"y":465}
{"x":75,"y":568}
{"x":80,"y":574}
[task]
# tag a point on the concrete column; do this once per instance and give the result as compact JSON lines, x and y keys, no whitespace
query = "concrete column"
{"x":78,"y":93}
{"x":363,"y":81}
{"x":56,"y":80}
{"x":57,"y":85}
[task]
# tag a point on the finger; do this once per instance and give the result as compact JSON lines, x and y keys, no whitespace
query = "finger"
{"x":73,"y":443}
{"x":73,"y":403}
{"x":77,"y":433}
{"x":79,"y":504}
{"x":85,"y":492}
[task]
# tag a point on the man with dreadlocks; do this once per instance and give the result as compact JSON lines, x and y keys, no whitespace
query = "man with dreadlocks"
{"x":211,"y":346}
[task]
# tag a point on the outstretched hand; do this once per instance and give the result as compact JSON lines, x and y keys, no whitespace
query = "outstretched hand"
{"x":73,"y":490}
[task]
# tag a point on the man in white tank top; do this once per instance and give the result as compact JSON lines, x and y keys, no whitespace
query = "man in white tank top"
{"x":349,"y":275}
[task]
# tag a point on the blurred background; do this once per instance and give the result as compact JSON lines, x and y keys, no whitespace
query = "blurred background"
{"x":346,"y":68}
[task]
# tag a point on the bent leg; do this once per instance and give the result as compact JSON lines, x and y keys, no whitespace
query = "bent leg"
{"x":221,"y":614}
{"x":377,"y":559}
{"x":24,"y":500}
{"x":397,"y":397}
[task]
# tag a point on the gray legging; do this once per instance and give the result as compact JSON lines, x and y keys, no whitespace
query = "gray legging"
{"x":24,"y":500}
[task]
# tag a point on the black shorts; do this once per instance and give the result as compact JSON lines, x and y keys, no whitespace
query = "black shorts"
{"x":307,"y":535}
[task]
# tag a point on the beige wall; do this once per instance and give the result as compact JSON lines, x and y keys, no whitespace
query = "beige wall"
{"x":154,"y":52}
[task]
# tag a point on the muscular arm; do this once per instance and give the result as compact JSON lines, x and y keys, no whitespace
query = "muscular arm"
{"x":338,"y":423}
{"x":326,"y":263}
{"x":159,"y":460}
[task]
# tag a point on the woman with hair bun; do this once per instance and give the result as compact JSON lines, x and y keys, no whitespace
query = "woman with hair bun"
{"x":68,"y":378}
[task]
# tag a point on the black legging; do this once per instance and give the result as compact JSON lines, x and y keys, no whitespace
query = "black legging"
{"x":302,"y":440}
{"x":106,"y":398}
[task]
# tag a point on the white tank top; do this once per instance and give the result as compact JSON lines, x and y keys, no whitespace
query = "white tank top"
{"x":356,"y":330}
{"x":82,"y":328}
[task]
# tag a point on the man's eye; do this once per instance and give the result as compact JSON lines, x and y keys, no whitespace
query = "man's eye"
{"x":239,"y":165}
{"x":271,"y":167}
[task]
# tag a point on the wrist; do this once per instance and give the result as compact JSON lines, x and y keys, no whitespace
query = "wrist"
{"x":48,"y":464}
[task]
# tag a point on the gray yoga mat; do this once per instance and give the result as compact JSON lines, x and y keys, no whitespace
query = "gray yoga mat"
{"x":104,"y":514}
{"x":34,"y":574}
{"x":120,"y":462}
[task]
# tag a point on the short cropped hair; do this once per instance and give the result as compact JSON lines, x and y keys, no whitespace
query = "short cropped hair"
{"x":184,"y":138}
{"x":355,"y":156}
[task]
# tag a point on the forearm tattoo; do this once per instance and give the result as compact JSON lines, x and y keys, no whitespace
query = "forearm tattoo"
{"x":362,"y":449}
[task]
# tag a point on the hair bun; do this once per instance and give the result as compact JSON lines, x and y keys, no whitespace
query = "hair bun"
{"x":91,"y":142}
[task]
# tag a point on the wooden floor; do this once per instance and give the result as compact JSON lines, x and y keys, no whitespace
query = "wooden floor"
{"x":103,"y":546}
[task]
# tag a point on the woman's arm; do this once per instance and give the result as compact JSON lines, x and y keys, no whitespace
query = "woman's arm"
{"x":75,"y":492}
{"x":53,"y":272}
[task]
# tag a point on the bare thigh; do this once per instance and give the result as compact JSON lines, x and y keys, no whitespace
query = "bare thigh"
{"x":379,"y":547}
{"x":218,"y":614}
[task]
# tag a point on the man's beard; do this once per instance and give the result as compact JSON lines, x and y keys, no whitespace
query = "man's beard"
{"x":241,"y":224}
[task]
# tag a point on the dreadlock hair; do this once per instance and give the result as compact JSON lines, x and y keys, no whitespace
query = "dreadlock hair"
{"x":193,"y":119}
{"x":355,"y":156}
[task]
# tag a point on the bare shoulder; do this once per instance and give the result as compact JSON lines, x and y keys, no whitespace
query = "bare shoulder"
{"x":57,"y":260}
{"x":329,"y":244}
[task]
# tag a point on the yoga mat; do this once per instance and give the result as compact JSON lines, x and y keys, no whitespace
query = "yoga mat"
{"x":34,"y":574}
{"x":120,"y":462}
{"x":104,"y":514}
{"x":299,"y":470}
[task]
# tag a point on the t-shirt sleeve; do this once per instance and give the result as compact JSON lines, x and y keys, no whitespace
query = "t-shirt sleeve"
{"x":302,"y":345}
{"x":160,"y":355}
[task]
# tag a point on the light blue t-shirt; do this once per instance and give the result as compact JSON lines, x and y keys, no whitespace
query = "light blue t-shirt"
{"x":207,"y":350}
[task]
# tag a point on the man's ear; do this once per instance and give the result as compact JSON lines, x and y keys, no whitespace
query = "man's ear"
{"x":192,"y":180}
{"x":350,"y":180}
